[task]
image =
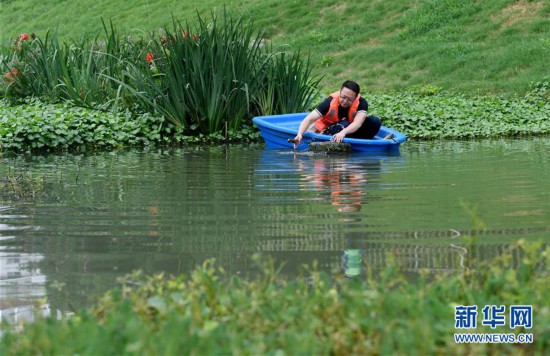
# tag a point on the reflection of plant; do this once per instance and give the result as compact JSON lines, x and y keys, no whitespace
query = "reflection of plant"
{"x":22,"y":185}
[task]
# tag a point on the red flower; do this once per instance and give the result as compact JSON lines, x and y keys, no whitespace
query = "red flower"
{"x":10,"y":76}
{"x":185,"y":33}
{"x":23,"y":37}
{"x":149,"y":57}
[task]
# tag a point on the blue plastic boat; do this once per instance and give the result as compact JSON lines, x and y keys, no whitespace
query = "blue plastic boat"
{"x":276,"y":130}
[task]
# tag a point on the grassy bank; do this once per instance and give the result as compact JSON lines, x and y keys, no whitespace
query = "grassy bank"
{"x":209,"y":312}
{"x":493,"y":46}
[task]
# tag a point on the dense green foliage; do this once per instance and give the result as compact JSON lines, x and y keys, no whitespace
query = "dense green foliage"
{"x":492,"y":46}
{"x":35,"y":125}
{"x":215,"y":76}
{"x":423,"y":114}
{"x":220,"y":75}
{"x":210,"y":312}
{"x":63,"y":126}
{"x":429,"y":115}
{"x":78,"y":71}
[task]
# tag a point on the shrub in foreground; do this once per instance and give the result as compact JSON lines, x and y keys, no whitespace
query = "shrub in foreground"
{"x":210,"y":312}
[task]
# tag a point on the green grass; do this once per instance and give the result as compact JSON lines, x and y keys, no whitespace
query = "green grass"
{"x":494,"y":46}
{"x":210,"y":312}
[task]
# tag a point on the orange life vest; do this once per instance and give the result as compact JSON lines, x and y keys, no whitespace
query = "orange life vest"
{"x":331,"y":116}
{"x":345,"y":186}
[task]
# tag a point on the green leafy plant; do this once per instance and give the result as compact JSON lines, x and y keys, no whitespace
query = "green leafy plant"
{"x":219,"y":75}
{"x":212,"y":312}
{"x":540,"y":91}
{"x":75,"y":71}
{"x":36,"y":125}
{"x":211,"y":79}
{"x":457,"y":116}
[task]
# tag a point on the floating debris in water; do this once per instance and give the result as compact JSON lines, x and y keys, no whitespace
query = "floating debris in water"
{"x":329,"y":146}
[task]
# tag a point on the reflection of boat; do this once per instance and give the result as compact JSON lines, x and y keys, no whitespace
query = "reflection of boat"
{"x":311,"y":172}
{"x":278,"y":129}
{"x":340,"y":180}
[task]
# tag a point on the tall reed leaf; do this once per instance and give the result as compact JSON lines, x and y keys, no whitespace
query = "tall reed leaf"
{"x":219,"y":75}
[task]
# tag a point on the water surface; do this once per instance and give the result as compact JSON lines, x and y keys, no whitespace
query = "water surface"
{"x":97,"y":216}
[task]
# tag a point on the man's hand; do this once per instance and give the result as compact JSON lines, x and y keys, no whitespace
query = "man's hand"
{"x":339,"y":136}
{"x":297,"y":140}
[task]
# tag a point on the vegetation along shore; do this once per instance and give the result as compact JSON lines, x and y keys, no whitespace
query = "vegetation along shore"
{"x":211,"y":312}
{"x":430,"y":69}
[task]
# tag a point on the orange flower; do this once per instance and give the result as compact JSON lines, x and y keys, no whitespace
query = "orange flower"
{"x":185,"y":33}
{"x":10,"y":76}
{"x":150,"y":57}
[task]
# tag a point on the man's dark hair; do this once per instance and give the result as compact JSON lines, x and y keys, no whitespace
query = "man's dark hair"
{"x":351,"y":85}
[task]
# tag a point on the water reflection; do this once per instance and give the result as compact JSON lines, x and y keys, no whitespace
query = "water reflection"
{"x":22,"y":283}
{"x":359,"y":210}
{"x":346,"y":182}
{"x":348,"y":186}
{"x":103,"y":214}
{"x":342,"y":181}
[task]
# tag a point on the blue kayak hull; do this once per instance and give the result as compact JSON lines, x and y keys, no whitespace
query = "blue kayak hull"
{"x":276,"y":130}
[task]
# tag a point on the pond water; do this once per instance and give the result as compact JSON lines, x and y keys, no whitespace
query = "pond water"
{"x":435,"y":206}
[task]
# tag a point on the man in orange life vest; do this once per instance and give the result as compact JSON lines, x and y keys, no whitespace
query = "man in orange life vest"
{"x":343,"y":113}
